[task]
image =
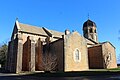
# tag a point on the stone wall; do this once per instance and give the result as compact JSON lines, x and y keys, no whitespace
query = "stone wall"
{"x":36,"y":37}
{"x":28,"y":59}
{"x":72,"y":42}
{"x":109,"y":55}
{"x":26,"y":55}
{"x":38,"y":55}
{"x":14,"y":61}
{"x":102,"y":56}
{"x":9,"y":57}
{"x":57,"y":49}
{"x":95,"y":57}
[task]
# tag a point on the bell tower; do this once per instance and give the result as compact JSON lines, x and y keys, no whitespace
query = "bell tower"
{"x":90,"y":30}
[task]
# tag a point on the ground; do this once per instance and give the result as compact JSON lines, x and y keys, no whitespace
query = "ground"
{"x":28,"y":77}
{"x":86,"y":75}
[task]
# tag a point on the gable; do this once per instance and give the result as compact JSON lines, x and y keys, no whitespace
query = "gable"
{"x":25,"y":28}
{"x":107,"y":42}
{"x":75,"y":51}
{"x":53,"y":33}
{"x":32,"y":29}
{"x":15,"y":30}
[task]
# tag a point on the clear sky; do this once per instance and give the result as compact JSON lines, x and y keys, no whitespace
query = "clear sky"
{"x":63,"y":14}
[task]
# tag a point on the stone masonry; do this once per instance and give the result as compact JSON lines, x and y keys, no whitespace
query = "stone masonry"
{"x":34,"y":48}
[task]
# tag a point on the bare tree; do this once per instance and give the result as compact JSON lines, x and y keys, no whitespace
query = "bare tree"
{"x":49,"y":62}
{"x":49,"y":59}
{"x":118,"y":58}
{"x":107,"y":60}
{"x":107,"y":57}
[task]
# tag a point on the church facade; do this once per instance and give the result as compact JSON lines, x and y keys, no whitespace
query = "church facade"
{"x":39,"y":49}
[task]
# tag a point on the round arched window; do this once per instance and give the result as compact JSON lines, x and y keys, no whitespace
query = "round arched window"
{"x":77,"y":55}
{"x":108,"y":57}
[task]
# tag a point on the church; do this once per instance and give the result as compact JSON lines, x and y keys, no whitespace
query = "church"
{"x":33,"y":48}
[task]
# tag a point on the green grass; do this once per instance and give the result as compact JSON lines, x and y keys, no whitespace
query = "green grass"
{"x":91,"y":72}
{"x":114,"y":69}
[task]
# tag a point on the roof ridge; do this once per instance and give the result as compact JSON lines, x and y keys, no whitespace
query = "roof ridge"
{"x":40,"y":27}
{"x":31,"y":25}
{"x":17,"y":24}
{"x":39,"y":30}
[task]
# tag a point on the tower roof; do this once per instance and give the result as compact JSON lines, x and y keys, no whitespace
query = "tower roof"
{"x":89,"y":23}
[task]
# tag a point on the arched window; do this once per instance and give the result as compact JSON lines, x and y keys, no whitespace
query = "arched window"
{"x":77,"y":55}
{"x":109,"y":57}
{"x":95,"y":30}
{"x":91,"y":30}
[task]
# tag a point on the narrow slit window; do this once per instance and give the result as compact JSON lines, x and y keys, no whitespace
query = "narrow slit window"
{"x":77,"y":55}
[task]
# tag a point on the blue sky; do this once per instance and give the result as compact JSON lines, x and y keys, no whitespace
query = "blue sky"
{"x":63,"y":14}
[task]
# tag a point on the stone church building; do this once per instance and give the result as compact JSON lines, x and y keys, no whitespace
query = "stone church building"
{"x":39,"y":49}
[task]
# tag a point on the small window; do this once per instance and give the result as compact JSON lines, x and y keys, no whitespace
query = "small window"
{"x":77,"y":55}
{"x":109,"y":57}
{"x":91,"y":30}
{"x":85,"y":31}
{"x":95,"y":30}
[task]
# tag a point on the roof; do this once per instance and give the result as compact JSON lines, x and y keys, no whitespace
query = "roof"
{"x":90,"y":41}
{"x":53,"y":32}
{"x":31,"y":29}
{"x":56,"y":33}
{"x":102,"y":44}
{"x":89,"y":23}
{"x":38,"y":30}
{"x":107,"y":42}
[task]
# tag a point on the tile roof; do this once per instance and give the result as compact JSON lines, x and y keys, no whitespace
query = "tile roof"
{"x":31,"y":29}
{"x":55,"y":33}
{"x":38,"y":30}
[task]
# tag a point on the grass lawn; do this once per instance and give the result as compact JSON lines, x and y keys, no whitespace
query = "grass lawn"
{"x":91,"y":72}
{"x":114,"y":69}
{"x":106,"y":70}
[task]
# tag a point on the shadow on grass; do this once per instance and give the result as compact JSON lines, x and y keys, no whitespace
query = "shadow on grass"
{"x":76,"y":74}
{"x":94,"y":72}
{"x":81,"y":75}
